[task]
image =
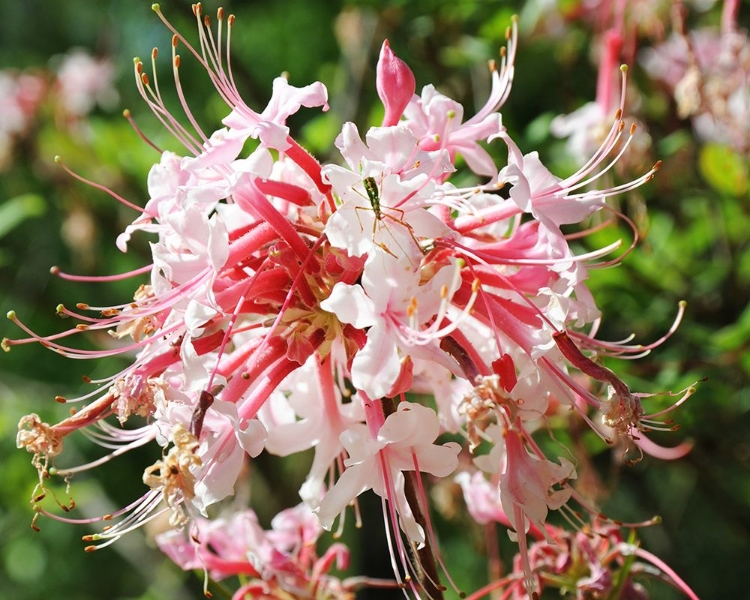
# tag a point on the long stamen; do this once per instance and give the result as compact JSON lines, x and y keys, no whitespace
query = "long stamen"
{"x":98,"y":186}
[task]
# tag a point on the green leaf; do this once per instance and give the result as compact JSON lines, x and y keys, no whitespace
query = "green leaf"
{"x":724,"y":169}
{"x":18,"y":209}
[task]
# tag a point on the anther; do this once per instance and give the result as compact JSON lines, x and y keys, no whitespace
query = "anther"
{"x":175,"y":41}
{"x":60,"y":399}
{"x":632,"y":129}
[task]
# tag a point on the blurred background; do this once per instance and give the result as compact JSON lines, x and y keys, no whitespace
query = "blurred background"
{"x":66,"y":75}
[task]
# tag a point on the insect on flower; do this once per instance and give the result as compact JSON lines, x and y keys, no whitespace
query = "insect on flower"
{"x":380,"y":213}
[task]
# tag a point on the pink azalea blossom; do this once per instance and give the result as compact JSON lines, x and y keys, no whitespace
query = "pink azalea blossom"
{"x":405,"y":442}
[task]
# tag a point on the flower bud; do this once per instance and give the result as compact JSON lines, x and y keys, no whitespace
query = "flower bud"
{"x":395,"y":84}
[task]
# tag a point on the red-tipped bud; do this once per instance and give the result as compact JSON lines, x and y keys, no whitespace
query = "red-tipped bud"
{"x":395,"y":83}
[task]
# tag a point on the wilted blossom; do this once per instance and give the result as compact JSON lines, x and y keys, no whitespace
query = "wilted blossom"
{"x":291,"y":305}
{"x":595,"y":562}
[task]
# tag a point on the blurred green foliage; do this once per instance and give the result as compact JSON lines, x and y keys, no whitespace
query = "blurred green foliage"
{"x":693,"y":246}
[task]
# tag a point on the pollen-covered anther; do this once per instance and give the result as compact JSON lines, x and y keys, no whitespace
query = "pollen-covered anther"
{"x":139,"y":327}
{"x":37,"y":437}
{"x":135,"y":399}
{"x":172,"y":474}
{"x":622,"y":413}
{"x":479,"y":407}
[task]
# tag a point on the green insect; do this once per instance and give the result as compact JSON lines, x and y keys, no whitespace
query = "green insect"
{"x":371,"y":187}
{"x":373,"y":195}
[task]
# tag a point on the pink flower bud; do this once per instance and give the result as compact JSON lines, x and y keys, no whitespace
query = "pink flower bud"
{"x":395,"y":83}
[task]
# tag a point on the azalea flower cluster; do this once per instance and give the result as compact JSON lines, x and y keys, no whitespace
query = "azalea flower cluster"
{"x":707,"y":71}
{"x":362,"y":310}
